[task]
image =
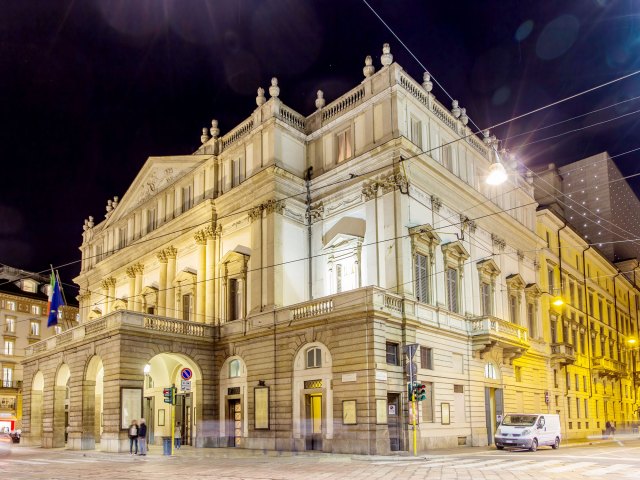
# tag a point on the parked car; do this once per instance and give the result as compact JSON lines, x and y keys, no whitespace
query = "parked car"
{"x":529,"y":431}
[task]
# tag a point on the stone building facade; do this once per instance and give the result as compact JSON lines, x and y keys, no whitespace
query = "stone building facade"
{"x":277,"y":273}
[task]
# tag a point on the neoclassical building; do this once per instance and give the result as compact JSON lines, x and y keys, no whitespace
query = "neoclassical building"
{"x":276,"y":275}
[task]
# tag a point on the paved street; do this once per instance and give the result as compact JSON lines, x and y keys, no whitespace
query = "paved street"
{"x":610,"y":459}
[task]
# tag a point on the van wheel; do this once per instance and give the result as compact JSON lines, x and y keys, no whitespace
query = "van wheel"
{"x":534,"y":445}
{"x":556,"y":444}
{"x":499,"y":447}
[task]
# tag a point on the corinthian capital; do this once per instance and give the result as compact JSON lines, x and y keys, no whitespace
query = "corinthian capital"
{"x":171,"y":251}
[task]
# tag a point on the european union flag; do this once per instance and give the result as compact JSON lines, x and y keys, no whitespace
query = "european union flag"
{"x":56,"y":303}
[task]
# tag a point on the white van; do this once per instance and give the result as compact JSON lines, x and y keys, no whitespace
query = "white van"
{"x":528,"y":430}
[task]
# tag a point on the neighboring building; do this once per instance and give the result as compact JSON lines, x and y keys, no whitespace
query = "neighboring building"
{"x":593,"y":353}
{"x":23,"y":321}
{"x":594,"y":197}
{"x":276,"y":275}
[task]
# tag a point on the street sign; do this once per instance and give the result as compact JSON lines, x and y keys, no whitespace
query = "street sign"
{"x":411,"y":349}
{"x":185,"y":385}
{"x":186,"y":374}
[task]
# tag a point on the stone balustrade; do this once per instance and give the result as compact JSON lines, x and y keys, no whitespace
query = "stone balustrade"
{"x":499,"y":328}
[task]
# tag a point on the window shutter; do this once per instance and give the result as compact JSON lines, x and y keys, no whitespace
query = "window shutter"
{"x":421,"y":278}
{"x":452,"y":289}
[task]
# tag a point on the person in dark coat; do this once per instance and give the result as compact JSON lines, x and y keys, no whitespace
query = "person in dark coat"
{"x":142,"y":437}
{"x":133,"y":437}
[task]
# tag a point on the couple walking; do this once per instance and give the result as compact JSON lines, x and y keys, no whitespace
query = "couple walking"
{"x":138,"y":435}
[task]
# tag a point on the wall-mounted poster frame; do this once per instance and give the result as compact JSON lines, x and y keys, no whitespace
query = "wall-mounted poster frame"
{"x":130,"y":406}
{"x":261,"y":408}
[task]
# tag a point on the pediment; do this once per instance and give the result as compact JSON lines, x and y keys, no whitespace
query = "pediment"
{"x":157,"y":174}
{"x":515,"y":282}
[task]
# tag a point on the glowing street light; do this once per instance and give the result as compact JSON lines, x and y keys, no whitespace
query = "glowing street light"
{"x":497,"y":173}
{"x":147,"y":369}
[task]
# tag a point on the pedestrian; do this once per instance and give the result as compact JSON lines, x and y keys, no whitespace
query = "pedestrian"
{"x":178,"y":435}
{"x":609,"y":430}
{"x":133,"y":437}
{"x":142,"y":437}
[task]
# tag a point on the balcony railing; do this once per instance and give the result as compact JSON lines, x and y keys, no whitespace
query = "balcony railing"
{"x":563,"y":353}
{"x":488,"y":332}
{"x":16,"y":384}
{"x":608,"y":367}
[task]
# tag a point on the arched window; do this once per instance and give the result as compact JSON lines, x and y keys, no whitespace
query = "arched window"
{"x":490,"y":371}
{"x":314,"y":357}
{"x":234,"y":368}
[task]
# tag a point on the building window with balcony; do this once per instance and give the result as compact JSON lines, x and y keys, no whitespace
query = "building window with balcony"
{"x":9,"y":346}
{"x":10,"y":325}
{"x":423,"y":243}
{"x":344,"y":148}
{"x":34,"y":328}
{"x":7,"y":377}
{"x":314,"y":357}
{"x":234,"y":268}
{"x":235,"y":287}
{"x":454,"y":257}
{"x":488,"y":271}
{"x":392,"y":354}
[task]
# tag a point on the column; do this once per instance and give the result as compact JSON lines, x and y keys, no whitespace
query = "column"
{"x":162,"y":293}
{"x":170,"y":303}
{"x":112,"y":293}
{"x":104,"y":285}
{"x":210,"y":273}
{"x":217,"y":310}
{"x":131,"y":274}
{"x":201,"y":285}
{"x":138,"y":292}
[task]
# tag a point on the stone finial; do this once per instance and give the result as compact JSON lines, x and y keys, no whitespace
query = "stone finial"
{"x":115,"y":201}
{"x":320,"y":101}
{"x":427,"y":84}
{"x":214,"y":130}
{"x":274,"y":89}
{"x":204,"y":138}
{"x":109,"y":207}
{"x":455,"y":109}
{"x":463,"y":116}
{"x":486,"y":137}
{"x":368,"y":69}
{"x":260,"y":99}
{"x":386,"y":58}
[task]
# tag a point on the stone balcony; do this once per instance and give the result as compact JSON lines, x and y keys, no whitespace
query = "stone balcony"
{"x":608,"y":368}
{"x":563,"y":353}
{"x":123,"y":321}
{"x":490,"y":332}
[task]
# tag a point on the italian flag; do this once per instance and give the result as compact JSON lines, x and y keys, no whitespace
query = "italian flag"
{"x":52,"y":284}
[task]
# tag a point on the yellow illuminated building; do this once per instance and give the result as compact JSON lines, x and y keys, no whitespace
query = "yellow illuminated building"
{"x":591,"y":336}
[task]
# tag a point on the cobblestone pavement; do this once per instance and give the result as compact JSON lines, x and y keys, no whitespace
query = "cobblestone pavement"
{"x":611,"y":460}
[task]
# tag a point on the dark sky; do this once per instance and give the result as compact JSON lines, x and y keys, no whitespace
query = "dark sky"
{"x":90,"y":89}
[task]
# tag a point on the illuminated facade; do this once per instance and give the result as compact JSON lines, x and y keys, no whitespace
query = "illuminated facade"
{"x":285,"y":265}
{"x":23,"y":321}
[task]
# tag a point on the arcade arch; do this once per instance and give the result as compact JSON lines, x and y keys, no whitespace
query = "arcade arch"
{"x":234,"y":401}
{"x":37,"y":407}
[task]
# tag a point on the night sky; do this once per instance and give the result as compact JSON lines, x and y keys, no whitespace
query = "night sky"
{"x":90,"y":89}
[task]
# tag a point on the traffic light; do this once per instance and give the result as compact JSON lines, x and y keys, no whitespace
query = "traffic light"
{"x":421,"y":392}
{"x":410,"y":390}
{"x":169,"y":395}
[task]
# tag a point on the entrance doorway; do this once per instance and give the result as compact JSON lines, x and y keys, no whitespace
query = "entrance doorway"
{"x":234,"y":422}
{"x":183,"y":415}
{"x":494,"y":407}
{"x":313,"y":415}
{"x":149,"y":416}
{"x":393,"y":419}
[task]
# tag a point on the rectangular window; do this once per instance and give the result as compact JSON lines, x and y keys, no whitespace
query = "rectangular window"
{"x":518,"y":373}
{"x":513,"y":309}
{"x":554,"y":330}
{"x":186,"y":307}
{"x":36,"y":310}
{"x":11,"y":305}
{"x":582,"y":342}
{"x":569,"y":408}
{"x":426,"y":358}
{"x":235,"y":172}
{"x":577,"y":408}
{"x":452,"y":289}
{"x":555,"y":378}
{"x":422,"y":278}
{"x":427,"y":405}
{"x":57,"y":329}
{"x":447,"y":157}
{"x":35,"y":328}
{"x":550,"y":280}
{"x":571,"y":290}
{"x":416,"y":132}
{"x":485,"y":292}
{"x":575,"y":340}
{"x":8,"y":347}
{"x":586,"y":408}
{"x":392,"y":354}
{"x":7,"y":377}
{"x":568,"y":381}
{"x":344,"y":145}
{"x":235,"y":299}
{"x":10,"y":325}
{"x":187,"y":198}
{"x":577,"y":379}
{"x":531,"y":320}
{"x":584,"y":382}
{"x":579,"y":297}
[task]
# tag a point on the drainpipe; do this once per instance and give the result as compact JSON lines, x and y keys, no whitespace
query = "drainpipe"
{"x":615,"y":315}
{"x":307,"y":181}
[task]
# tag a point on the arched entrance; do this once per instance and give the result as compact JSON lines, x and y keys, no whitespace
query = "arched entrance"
{"x":87,"y":437}
{"x":37,"y":406}
{"x":61,"y":395}
{"x":163,"y":371}
{"x":234,"y":401}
